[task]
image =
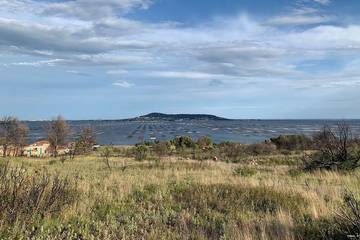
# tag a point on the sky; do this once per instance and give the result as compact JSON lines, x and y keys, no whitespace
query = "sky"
{"x":244,"y":59}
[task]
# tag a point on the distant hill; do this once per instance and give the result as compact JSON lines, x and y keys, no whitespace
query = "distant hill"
{"x":177,"y":117}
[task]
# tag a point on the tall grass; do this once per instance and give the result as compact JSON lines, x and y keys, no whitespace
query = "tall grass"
{"x":172,"y":199}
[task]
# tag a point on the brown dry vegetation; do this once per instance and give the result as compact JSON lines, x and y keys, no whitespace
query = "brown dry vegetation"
{"x":169,"y":198}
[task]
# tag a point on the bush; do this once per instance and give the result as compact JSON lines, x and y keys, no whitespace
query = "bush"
{"x":344,"y":225}
{"x":162,"y":148}
{"x":261,"y":149}
{"x":141,"y":152}
{"x":205,"y":143}
{"x":292,"y":142}
{"x":231,"y":151}
{"x":338,"y":150}
{"x":85,"y":141}
{"x":348,"y":217}
{"x":183,"y":142}
{"x":25,"y":199}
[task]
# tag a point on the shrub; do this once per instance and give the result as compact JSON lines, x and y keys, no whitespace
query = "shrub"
{"x":338,"y":149}
{"x":231,"y":151}
{"x":105,"y":154}
{"x":25,"y":199}
{"x":141,"y":152}
{"x":348,"y":217}
{"x":162,"y":148}
{"x":344,"y":225}
{"x":183,"y":142}
{"x":292,"y":142}
{"x":205,"y":143}
{"x":261,"y":148}
{"x":85,"y":141}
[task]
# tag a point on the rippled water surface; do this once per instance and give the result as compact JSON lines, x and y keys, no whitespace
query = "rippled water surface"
{"x":244,"y":131}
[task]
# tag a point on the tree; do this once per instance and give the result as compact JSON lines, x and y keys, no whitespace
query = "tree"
{"x":338,"y":149}
{"x":12,"y":133}
{"x":85,"y":141}
{"x":20,"y":140}
{"x":57,"y":131}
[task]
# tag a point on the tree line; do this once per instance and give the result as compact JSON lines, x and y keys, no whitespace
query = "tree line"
{"x":14,"y":137}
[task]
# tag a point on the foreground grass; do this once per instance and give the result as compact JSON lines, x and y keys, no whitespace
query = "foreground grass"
{"x":185,"y":199}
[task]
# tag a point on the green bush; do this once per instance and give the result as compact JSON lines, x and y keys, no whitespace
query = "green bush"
{"x":183,"y":142}
{"x":292,"y":142}
{"x":265,"y":148}
{"x":141,"y":152}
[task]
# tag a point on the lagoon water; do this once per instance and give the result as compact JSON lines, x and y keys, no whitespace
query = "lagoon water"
{"x":124,"y":132}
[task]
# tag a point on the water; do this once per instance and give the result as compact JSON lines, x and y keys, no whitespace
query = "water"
{"x":244,"y":131}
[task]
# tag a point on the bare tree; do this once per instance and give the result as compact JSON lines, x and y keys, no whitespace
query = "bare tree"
{"x":20,"y":140}
{"x":337,"y":149}
{"x":57,"y":131}
{"x":12,"y":134}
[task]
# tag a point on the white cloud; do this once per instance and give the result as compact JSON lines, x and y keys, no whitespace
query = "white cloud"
{"x":117,"y":72}
{"x":186,"y":75}
{"x":323,"y":2}
{"x":79,"y":73}
{"x":298,"y":20}
{"x":332,"y":39}
{"x":48,"y":63}
{"x":97,"y":33}
{"x":123,"y":84}
{"x":93,"y":9}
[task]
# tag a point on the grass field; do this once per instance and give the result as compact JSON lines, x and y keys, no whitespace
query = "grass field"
{"x":170,"y":198}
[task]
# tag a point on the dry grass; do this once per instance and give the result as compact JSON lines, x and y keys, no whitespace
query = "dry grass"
{"x":321,"y":191}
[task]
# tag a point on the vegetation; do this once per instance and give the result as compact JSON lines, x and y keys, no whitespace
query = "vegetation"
{"x":338,"y":149}
{"x":84,"y":142}
{"x":141,"y":152}
{"x":186,"y":189}
{"x":30,"y":199}
{"x":12,"y":136}
{"x":292,"y":142}
{"x":174,"y":199}
{"x":348,"y":217}
{"x":58,"y":131}
{"x":106,"y":154}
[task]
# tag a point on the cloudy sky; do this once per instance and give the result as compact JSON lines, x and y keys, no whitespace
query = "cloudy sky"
{"x":101,"y":59}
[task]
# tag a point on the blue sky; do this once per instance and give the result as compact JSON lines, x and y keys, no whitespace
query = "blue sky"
{"x":96,"y":59}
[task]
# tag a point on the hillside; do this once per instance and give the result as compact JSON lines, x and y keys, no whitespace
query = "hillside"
{"x":178,"y":117}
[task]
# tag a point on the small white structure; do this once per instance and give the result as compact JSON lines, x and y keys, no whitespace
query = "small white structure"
{"x":38,"y":149}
